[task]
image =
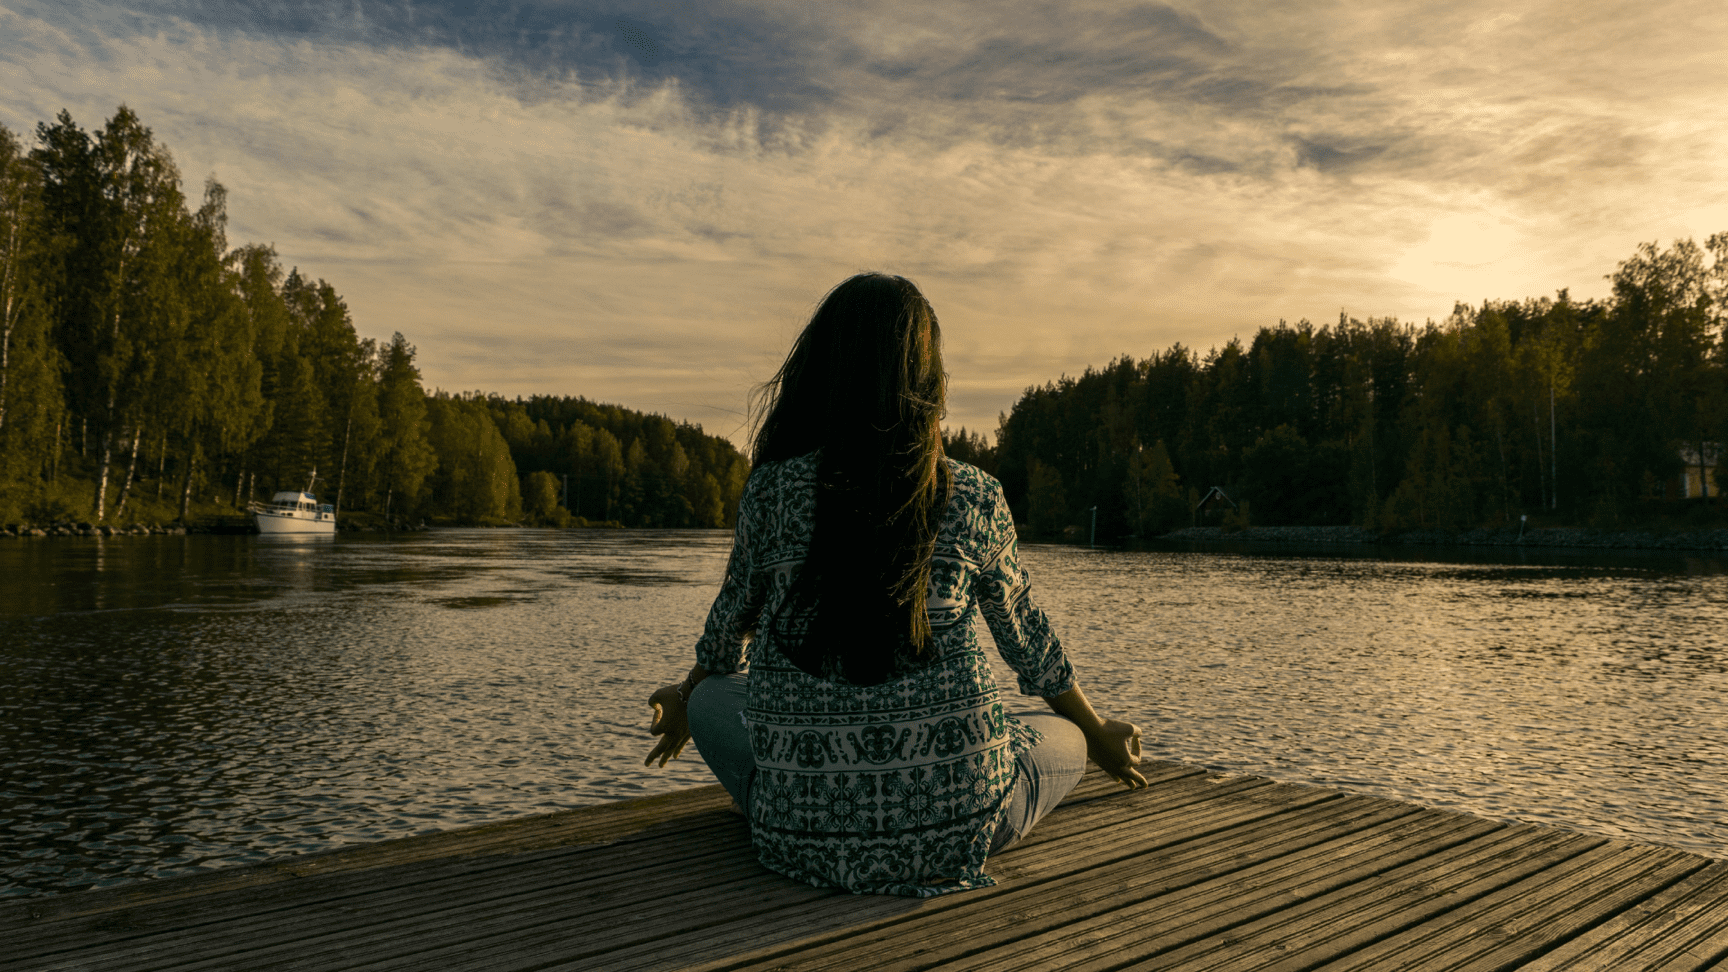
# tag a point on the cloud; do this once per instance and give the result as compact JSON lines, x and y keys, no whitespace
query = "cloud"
{"x":547,"y":203}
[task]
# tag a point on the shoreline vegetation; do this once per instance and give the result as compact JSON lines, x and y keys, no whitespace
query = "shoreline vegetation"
{"x":1602,"y":417}
{"x":1666,"y":537}
{"x":1583,"y":538}
{"x":1547,"y":537}
{"x":152,"y":377}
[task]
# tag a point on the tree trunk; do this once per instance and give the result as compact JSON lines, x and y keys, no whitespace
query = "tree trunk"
{"x":5,"y":355}
{"x":1505,"y":473}
{"x":132,"y":466}
{"x":8,"y":308}
{"x":161,"y":466}
{"x":388,"y":492}
{"x":342,"y":467}
{"x":102,"y":475}
{"x":1541,"y":473}
{"x":1554,"y":457}
{"x":186,"y":489}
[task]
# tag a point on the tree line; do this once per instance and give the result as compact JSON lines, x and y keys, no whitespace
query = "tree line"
{"x":148,"y":370}
{"x":1585,"y":412}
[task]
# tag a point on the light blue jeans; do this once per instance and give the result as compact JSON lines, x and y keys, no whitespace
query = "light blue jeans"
{"x":1046,"y":772}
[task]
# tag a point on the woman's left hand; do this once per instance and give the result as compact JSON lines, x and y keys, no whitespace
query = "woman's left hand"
{"x":1115,"y":746}
{"x":671,"y":724}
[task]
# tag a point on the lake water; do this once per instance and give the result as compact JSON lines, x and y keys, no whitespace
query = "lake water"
{"x":171,"y":704}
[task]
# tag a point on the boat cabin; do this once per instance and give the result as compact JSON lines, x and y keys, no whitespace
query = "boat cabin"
{"x":293,"y":501}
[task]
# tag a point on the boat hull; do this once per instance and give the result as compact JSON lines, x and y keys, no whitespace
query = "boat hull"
{"x":322,"y":523}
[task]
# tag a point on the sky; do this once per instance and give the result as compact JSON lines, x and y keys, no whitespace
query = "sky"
{"x":641,"y":203}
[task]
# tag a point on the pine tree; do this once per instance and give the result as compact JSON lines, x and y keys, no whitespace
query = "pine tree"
{"x":407,"y":457}
{"x":111,"y":204}
{"x":31,"y":403}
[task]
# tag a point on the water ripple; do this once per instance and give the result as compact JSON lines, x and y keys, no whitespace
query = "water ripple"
{"x":172,"y":704}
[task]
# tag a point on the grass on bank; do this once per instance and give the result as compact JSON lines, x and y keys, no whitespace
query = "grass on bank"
{"x":71,"y":499}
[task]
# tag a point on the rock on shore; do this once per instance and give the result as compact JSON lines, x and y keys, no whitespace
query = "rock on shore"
{"x":88,"y":530}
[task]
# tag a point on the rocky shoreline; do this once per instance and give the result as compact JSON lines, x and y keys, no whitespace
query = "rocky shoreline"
{"x":67,"y":529}
{"x":1361,"y":536}
{"x":1544,"y":537}
{"x":92,"y":530}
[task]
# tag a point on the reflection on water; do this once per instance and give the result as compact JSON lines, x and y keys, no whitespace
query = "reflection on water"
{"x":1568,"y":694}
{"x":169,"y":704}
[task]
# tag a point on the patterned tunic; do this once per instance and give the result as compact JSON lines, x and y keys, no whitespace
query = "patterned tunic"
{"x":895,"y":787}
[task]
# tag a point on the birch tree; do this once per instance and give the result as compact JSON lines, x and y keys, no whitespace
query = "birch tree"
{"x":110,"y":204}
{"x":222,"y":408}
{"x":30,"y":395}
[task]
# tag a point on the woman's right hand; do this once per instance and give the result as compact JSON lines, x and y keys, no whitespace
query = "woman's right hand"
{"x":1115,"y":746}
{"x":1111,"y":743}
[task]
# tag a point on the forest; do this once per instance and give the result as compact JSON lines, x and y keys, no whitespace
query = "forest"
{"x":1603,"y":413}
{"x":151,"y":373}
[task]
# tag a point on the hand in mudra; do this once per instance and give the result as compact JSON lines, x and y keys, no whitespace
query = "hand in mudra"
{"x":1115,"y":747}
{"x":671,"y":724}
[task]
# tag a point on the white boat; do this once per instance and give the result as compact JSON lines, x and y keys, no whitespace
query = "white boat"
{"x":295,"y":512}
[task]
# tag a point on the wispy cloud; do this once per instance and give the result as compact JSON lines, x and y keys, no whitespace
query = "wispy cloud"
{"x":640,"y":202}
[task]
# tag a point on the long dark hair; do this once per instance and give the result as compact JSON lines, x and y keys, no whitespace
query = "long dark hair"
{"x":864,"y":387}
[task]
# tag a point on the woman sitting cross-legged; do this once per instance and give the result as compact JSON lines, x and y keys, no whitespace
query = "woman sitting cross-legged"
{"x":839,"y":692}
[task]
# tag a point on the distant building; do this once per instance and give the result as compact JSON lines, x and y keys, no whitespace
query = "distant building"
{"x":1695,"y":481}
{"x":1216,"y":499}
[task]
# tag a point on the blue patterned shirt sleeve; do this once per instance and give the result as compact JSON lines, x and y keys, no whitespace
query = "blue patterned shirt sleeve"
{"x":722,"y":648}
{"x":1021,"y":629}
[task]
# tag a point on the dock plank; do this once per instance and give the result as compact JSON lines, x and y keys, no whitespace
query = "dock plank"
{"x":518,"y":913}
{"x":1199,"y":871}
{"x":351,"y":896}
{"x":1007,"y":932}
{"x":689,"y":938}
{"x":599,"y":824}
{"x":1683,"y":929}
{"x":1347,"y":920}
{"x":1063,"y":854}
{"x":1516,"y":923}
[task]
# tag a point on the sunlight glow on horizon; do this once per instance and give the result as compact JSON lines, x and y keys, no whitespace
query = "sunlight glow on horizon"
{"x":1065,"y":189}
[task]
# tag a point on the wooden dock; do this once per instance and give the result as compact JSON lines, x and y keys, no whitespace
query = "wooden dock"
{"x":1198,"y":871}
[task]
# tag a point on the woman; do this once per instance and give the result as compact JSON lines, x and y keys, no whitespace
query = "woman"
{"x":839,"y":691}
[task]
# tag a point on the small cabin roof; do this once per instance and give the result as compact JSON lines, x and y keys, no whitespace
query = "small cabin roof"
{"x":293,"y":496}
{"x":1217,"y":493}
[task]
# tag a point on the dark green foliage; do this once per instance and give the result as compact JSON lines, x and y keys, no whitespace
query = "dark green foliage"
{"x":406,"y":452}
{"x":147,"y":370}
{"x":540,"y":499}
{"x":30,"y":378}
{"x":637,"y":469}
{"x":474,"y":480}
{"x":1048,"y":501}
{"x":1295,"y":483}
{"x":167,"y":374}
{"x":1155,"y":503}
{"x":1575,"y":411}
{"x":970,"y":448}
